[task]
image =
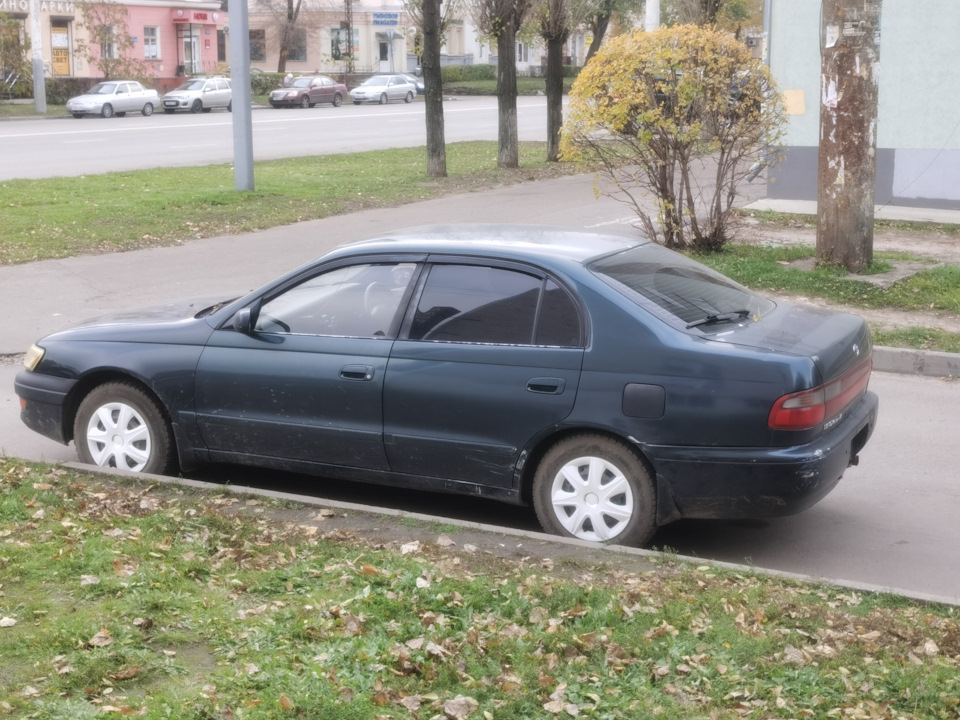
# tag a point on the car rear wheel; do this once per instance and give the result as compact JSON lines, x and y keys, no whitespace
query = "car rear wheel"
{"x":383,"y":98}
{"x":408,"y":98}
{"x":106,"y":111}
{"x":118,"y":425}
{"x":337,"y":100}
{"x":196,"y":107}
{"x":595,"y":488}
{"x":147,"y":110}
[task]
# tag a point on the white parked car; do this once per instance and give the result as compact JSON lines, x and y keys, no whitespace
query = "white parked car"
{"x":114,"y":97}
{"x":383,"y":88}
{"x":200,"y":94}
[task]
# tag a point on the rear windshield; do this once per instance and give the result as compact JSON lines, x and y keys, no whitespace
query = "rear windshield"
{"x":679,"y":288}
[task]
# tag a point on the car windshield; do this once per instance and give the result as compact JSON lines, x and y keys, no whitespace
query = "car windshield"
{"x":103,"y":89}
{"x":301,"y":82}
{"x":378,"y":80}
{"x":680,"y":288}
{"x":192,"y":85}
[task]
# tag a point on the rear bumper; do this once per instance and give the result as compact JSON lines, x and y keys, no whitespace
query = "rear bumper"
{"x":45,"y":396}
{"x":733,"y":483}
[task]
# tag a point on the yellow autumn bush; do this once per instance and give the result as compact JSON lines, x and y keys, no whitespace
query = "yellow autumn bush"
{"x":676,"y":118}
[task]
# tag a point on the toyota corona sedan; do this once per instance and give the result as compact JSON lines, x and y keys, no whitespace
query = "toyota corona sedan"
{"x":114,"y":98}
{"x":611,"y":383}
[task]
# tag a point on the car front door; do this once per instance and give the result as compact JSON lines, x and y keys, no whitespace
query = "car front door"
{"x":489,"y":358}
{"x":305,"y":381}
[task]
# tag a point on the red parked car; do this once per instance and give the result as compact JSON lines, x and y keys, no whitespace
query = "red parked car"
{"x":309,"y":90}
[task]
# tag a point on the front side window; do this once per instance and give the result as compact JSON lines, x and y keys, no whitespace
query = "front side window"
{"x":151,"y":43}
{"x":352,"y":301}
{"x":477,"y":304}
{"x":679,"y":287}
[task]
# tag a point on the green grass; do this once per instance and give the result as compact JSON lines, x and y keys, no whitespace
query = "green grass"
{"x":762,"y":268}
{"x":15,"y":110}
{"x":61,"y":217}
{"x":525,"y":86}
{"x":121,"y":598}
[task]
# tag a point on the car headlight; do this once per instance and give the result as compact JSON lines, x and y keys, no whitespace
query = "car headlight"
{"x":33,"y":357}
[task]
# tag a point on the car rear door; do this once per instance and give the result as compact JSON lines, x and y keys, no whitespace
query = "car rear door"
{"x":489,"y":358}
{"x":305,"y":382}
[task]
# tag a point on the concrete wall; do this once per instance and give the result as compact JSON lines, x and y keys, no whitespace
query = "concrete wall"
{"x":918,"y":129}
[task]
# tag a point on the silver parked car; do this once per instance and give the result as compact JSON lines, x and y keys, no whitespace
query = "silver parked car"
{"x":114,"y":97}
{"x":200,"y":94}
{"x":383,"y":88}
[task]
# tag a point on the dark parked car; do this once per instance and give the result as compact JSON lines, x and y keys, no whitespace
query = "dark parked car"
{"x":308,"y":91}
{"x":614,"y":384}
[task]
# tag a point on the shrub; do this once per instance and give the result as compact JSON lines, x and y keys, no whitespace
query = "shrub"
{"x":452,"y":73}
{"x":680,"y":113}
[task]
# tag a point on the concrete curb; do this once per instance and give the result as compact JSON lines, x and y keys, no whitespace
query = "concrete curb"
{"x":511,"y":532}
{"x":927,"y":363}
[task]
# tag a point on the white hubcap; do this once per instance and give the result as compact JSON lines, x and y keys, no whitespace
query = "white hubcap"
{"x":592,"y":499}
{"x":117,"y":436}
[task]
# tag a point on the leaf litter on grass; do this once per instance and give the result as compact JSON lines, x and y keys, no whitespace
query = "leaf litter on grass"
{"x":294,"y":617}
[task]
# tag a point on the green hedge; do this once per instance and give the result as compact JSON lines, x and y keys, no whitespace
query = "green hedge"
{"x":457,"y":73}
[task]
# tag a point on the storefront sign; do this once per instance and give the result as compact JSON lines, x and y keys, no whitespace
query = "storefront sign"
{"x":47,"y":6}
{"x":386,"y":18}
{"x":190,"y":16}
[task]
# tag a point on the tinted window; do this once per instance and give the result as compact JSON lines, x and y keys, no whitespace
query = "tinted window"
{"x":475,"y":304}
{"x":678,"y":285}
{"x":353,"y":301}
{"x":559,"y":321}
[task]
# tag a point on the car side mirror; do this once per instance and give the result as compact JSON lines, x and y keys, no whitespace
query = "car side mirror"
{"x":243,"y":321}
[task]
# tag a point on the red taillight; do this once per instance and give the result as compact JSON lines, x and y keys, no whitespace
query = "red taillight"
{"x":809,"y":408}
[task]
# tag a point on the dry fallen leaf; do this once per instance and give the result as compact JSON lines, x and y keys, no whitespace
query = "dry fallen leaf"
{"x":460,"y":707}
{"x":101,"y":639}
{"x":7,"y":622}
{"x":445,"y":541}
{"x":410,"y":547}
{"x":89,"y":580}
{"x":285,"y":702}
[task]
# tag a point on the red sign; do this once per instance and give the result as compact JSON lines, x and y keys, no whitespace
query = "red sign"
{"x":190,"y":16}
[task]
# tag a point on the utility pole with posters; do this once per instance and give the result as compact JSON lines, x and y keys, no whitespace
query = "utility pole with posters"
{"x":849,"y":70}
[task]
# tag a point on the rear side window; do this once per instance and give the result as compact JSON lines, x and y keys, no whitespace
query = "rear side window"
{"x":678,"y":286}
{"x":477,"y":304}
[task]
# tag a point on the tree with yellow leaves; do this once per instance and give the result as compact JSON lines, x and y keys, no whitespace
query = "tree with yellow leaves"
{"x":680,"y":114}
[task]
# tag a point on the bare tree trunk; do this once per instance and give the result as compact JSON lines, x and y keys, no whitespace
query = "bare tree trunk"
{"x":848,"y":132}
{"x":508,"y":154}
{"x":554,"y":96}
{"x":599,"y":26}
{"x":433,"y":92}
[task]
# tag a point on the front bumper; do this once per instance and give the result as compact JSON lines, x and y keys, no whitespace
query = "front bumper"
{"x":736,"y":483}
{"x":45,"y":397}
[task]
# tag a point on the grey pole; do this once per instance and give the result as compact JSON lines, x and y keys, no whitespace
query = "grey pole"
{"x":767,"y":25}
{"x":239,"y":28}
{"x":651,"y":15}
{"x":36,"y":44}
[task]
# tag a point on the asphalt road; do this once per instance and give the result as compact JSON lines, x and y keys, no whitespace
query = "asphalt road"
{"x":890,"y":522}
{"x":70,"y":147}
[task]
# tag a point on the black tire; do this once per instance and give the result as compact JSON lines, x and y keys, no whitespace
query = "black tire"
{"x":305,"y":102}
{"x":106,"y":111}
{"x":230,"y":106}
{"x":197,"y":106}
{"x":595,"y":488}
{"x":141,"y":438}
{"x":168,"y":111}
{"x":383,"y":98}
{"x":337,"y":100}
{"x":356,"y":102}
{"x":408,"y":98}
{"x":147,"y":110}
{"x":78,"y":116}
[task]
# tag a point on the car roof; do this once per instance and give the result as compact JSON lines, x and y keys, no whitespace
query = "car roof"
{"x":510,"y":241}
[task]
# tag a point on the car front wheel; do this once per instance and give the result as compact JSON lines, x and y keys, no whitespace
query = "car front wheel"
{"x":383,"y":98}
{"x":118,"y":425}
{"x":106,"y":111}
{"x":196,"y":107}
{"x":595,"y":488}
{"x":304,"y":102}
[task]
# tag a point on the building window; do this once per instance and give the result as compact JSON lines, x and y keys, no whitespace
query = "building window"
{"x":151,"y":43}
{"x":340,"y":46}
{"x":298,"y":45}
{"x":108,"y":42}
{"x":258,"y":45}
